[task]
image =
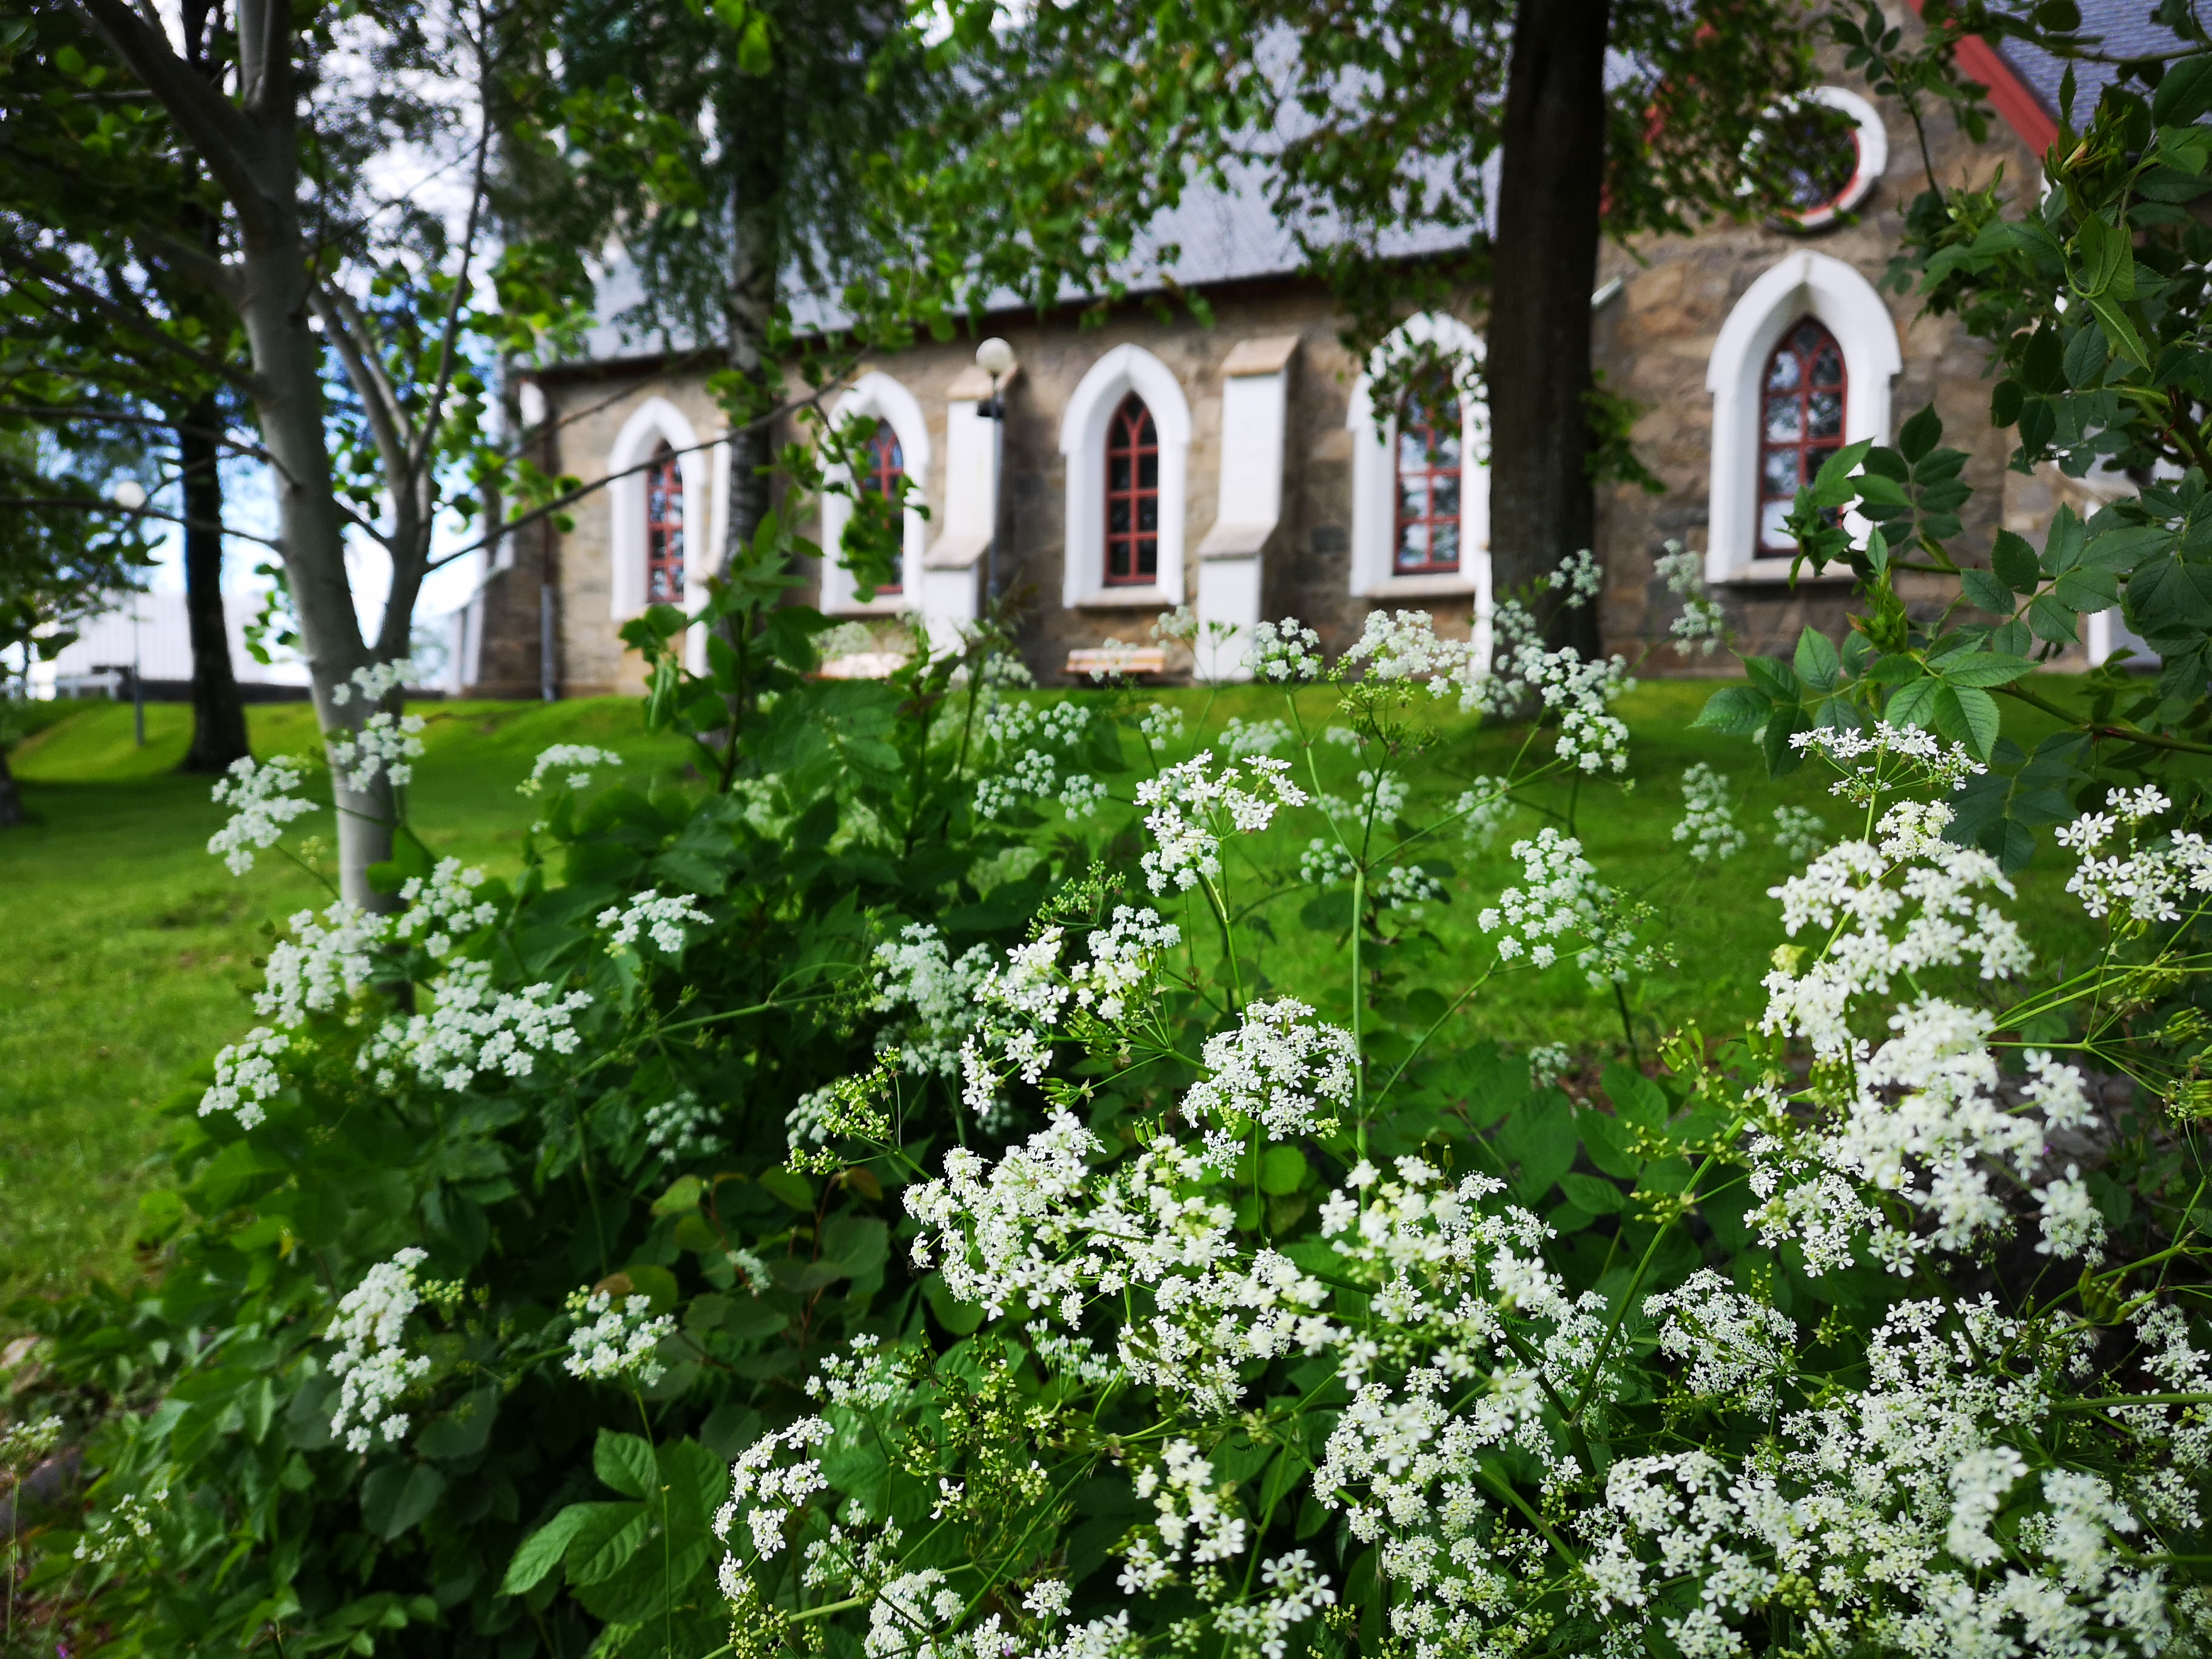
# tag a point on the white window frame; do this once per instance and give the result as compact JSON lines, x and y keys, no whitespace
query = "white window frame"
{"x":877,"y":395}
{"x":1805,"y":283}
{"x":1873,"y":155}
{"x":650,"y":423}
{"x":1374,"y":472}
{"x":1125,"y":369}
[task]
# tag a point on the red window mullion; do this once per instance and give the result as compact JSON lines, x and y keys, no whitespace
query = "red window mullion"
{"x":663,"y":530}
{"x":1132,"y":496}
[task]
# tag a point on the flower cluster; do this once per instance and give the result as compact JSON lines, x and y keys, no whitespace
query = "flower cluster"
{"x":473,"y":1028}
{"x":660,"y":917}
{"x":323,"y":962}
{"x":1240,"y":736}
{"x":2149,"y":883}
{"x":1709,"y":818}
{"x":1887,"y":758}
{"x":764,"y":1493}
{"x":374,"y":684}
{"x":578,"y":760}
{"x":680,"y":1129}
{"x":616,"y":1338}
{"x":1482,"y":810}
{"x":1191,"y":810}
{"x":372,"y":1365}
{"x":1799,"y":833}
{"x":1562,"y":899}
{"x":1284,"y":652}
{"x":1405,"y":646}
{"x":916,"y":972}
{"x":386,"y":744}
{"x":261,"y":801}
{"x":1274,"y":1069}
{"x":245,"y":1077}
{"x":443,"y":909}
{"x":1702,"y":624}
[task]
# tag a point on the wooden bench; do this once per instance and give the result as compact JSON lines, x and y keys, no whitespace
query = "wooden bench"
{"x":1123,"y":659}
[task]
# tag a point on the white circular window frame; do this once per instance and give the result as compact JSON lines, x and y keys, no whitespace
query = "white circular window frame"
{"x":1873,"y":155}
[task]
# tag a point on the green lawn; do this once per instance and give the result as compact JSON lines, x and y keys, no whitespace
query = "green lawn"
{"x":132,"y":953}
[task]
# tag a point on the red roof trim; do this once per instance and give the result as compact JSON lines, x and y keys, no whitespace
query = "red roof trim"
{"x":2009,"y":95}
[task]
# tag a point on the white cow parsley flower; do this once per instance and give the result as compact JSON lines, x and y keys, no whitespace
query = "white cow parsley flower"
{"x":1709,"y":818}
{"x":614,"y":1340}
{"x":246,"y":1076}
{"x":578,"y":760}
{"x":660,"y":917}
{"x":372,"y":1365}
{"x":261,"y":801}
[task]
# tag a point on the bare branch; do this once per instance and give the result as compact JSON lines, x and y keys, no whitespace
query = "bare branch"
{"x":193,"y":264}
{"x":654,"y":459}
{"x":380,"y":399}
{"x":448,"y":346}
{"x":72,"y":412}
{"x":93,"y":504}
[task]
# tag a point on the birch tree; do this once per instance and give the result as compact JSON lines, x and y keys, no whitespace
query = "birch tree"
{"x":357,"y":302}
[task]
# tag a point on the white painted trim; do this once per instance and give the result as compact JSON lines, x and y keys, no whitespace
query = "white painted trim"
{"x":1375,"y":478}
{"x":1873,"y":155}
{"x":876,"y":394}
{"x":1124,"y":369}
{"x":1254,"y":416}
{"x":1803,"y":283}
{"x":650,"y":423}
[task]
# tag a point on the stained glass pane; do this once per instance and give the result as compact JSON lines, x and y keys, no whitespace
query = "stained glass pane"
{"x":1148,"y":513}
{"x":1117,"y":472}
{"x":1117,"y":516}
{"x":1825,"y":411}
{"x":1771,"y":533}
{"x":1782,"y":421}
{"x":1779,"y":473}
{"x":1148,"y":558}
{"x":1828,"y":366}
{"x":1443,"y":496}
{"x":1782,"y":374}
{"x":1148,"y":471}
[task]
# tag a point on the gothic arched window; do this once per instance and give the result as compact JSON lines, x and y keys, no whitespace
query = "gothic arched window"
{"x":664,"y":529}
{"x":1427,"y":540}
{"x":1801,"y":423}
{"x":1133,"y":495}
{"x":886,"y":476}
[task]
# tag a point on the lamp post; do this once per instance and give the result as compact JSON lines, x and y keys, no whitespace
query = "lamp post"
{"x":996,"y":359}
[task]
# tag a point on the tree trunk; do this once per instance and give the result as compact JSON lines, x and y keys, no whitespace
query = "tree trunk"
{"x":1542,"y":509}
{"x":218,"y":716}
{"x":751,"y":309}
{"x":11,"y":802}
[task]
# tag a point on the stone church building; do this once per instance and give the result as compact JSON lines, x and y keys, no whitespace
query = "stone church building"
{"x":1130,"y":466}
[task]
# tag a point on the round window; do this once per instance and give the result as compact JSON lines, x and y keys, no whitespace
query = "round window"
{"x":1833,"y":148}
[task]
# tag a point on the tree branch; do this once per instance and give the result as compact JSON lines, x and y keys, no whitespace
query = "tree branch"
{"x":193,"y":264}
{"x":597,"y":484}
{"x":144,"y":327}
{"x":227,"y":140}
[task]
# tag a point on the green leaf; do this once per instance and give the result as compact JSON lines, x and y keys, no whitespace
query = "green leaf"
{"x":2119,"y":330}
{"x":1987,"y":591}
{"x":1282,"y":1169}
{"x":1968,"y":715}
{"x":682,"y":1194}
{"x":1983,"y":668}
{"x":538,"y":1554}
{"x":857,"y":1243}
{"x":1635,"y":1096}
{"x":1735,"y":710}
{"x":1815,"y":661}
{"x":2014,"y":560}
{"x":2086,"y":357}
{"x":1783,"y":757}
{"x":2063,"y":545}
{"x":623,"y":1462}
{"x":1592,"y":1193}
{"x":788,"y":1186}
{"x":2051,"y":619}
{"x":1920,"y":434}
{"x":1913,"y":704}
{"x":957,"y":1317}
{"x":2104,"y":263}
{"x":396,"y":1496}
{"x":1777,"y":679}
{"x":1540,"y":1136}
{"x":606,"y":1538}
{"x":463,"y":1431}
{"x":2184,"y":91}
